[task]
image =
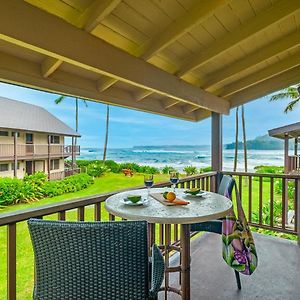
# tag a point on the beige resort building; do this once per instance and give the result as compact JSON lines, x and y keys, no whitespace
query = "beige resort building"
{"x":32,"y":140}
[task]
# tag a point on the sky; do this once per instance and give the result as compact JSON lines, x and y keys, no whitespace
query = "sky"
{"x":130,"y":128}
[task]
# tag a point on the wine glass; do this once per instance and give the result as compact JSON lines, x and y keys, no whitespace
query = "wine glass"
{"x":174,"y":179}
{"x":148,"y":180}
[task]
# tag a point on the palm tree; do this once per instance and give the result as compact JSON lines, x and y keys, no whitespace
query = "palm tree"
{"x":106,"y":134}
{"x":292,"y":93}
{"x":236,"y":139}
{"x":244,"y":139}
{"x":61,"y":99}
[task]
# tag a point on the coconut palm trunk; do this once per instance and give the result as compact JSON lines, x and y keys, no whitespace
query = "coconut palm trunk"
{"x":244,"y":139}
{"x":106,"y":134}
{"x":236,"y":139}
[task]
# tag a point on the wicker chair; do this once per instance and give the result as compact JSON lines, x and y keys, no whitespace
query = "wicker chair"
{"x":225,"y":188}
{"x":94,"y":260}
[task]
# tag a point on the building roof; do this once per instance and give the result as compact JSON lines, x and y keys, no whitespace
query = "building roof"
{"x":183,"y":58}
{"x":18,"y":115}
{"x":291,"y":130}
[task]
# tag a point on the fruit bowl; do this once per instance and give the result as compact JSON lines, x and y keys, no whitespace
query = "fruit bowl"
{"x":134,"y":198}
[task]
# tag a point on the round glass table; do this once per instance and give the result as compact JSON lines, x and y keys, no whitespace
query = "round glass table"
{"x":211,"y":206}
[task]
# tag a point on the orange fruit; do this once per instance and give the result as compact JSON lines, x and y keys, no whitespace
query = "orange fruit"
{"x":171,"y":196}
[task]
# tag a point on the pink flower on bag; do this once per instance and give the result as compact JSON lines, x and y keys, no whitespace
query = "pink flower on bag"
{"x":227,"y":226}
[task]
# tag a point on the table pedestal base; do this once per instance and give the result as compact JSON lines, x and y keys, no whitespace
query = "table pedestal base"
{"x":183,"y":247}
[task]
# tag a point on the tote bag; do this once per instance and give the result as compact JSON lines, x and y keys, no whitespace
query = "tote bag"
{"x":238,"y":247}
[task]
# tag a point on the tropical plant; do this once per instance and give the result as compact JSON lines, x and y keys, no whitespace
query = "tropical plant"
{"x":292,"y":93}
{"x":61,"y":99}
{"x":205,"y":169}
{"x":96,"y":169}
{"x":168,"y":169}
{"x":190,"y":170}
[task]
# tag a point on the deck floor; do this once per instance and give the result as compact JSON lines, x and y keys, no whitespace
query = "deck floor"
{"x":277,"y":275}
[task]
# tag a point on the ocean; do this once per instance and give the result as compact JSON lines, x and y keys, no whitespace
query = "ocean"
{"x":181,"y":156}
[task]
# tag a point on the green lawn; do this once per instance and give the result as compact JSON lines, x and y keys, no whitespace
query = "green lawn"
{"x":107,"y":183}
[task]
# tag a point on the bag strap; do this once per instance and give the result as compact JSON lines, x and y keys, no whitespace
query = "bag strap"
{"x":241,"y":214}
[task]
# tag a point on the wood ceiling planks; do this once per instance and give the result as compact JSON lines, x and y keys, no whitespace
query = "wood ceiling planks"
{"x":162,"y":33}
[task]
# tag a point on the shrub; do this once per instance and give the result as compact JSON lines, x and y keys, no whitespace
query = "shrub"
{"x":268,"y":169}
{"x":190,"y":170}
{"x":206,"y":169}
{"x":96,"y":169}
{"x":291,"y":188}
{"x":35,"y":187}
{"x":132,"y":166}
{"x":148,"y":170}
{"x":70,"y":184}
{"x":168,"y":169}
{"x":113,"y":166}
{"x":10,"y":190}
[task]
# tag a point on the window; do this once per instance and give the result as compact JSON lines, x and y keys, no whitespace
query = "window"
{"x":3,"y":133}
{"x":18,"y":134}
{"x":3,"y":167}
{"x":13,"y":166}
{"x":29,"y":138}
{"x":54,"y":164}
{"x":54,"y":139}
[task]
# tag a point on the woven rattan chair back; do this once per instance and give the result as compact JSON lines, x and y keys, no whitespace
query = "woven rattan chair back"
{"x":82,"y":260}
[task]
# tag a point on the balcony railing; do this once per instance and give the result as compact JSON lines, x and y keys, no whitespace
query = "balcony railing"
{"x":62,"y":174}
{"x":293,"y":164}
{"x":265,"y":207}
{"x":37,"y":151}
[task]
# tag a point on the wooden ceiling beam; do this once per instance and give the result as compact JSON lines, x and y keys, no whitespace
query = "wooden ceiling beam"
{"x":252,"y":79}
{"x":266,"y":87}
{"x":189,"y":108}
{"x":105,"y":82}
{"x":168,"y":103}
{"x":288,"y":42}
{"x":263,"y":20}
{"x":81,"y":49}
{"x":49,"y":65}
{"x":194,"y":16}
{"x":140,"y":95}
{"x":93,"y":15}
{"x":201,"y":114}
{"x":96,"y":12}
{"x":26,"y":73}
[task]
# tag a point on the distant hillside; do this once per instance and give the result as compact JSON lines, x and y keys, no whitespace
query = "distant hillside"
{"x":264,"y":142}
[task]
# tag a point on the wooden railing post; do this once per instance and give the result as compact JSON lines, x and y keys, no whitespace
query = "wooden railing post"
{"x":11,"y":262}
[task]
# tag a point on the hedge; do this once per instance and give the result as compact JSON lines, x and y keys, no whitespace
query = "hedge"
{"x":35,"y":187}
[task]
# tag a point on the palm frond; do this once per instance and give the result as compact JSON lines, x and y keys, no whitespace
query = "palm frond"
{"x":291,"y":105}
{"x":84,"y":101}
{"x":279,"y":96}
{"x":59,"y":100}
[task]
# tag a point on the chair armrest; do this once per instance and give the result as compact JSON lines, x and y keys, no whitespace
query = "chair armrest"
{"x":210,"y":226}
{"x":157,"y":273}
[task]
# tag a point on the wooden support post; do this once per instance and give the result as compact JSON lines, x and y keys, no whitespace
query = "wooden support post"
{"x":216,"y":142}
{"x":216,"y":145}
{"x":49,"y":161}
{"x":11,"y":261}
{"x":296,"y":146}
{"x":286,"y":154}
{"x":15,"y":154}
